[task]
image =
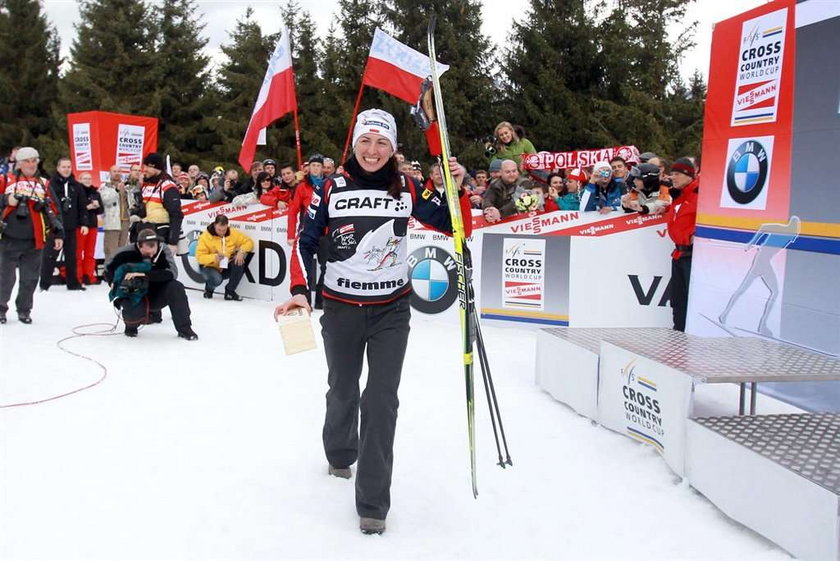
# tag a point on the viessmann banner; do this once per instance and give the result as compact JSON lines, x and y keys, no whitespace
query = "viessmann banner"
{"x":767,"y":249}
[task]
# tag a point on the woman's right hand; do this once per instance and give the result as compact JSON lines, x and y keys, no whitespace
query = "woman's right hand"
{"x":296,"y":301}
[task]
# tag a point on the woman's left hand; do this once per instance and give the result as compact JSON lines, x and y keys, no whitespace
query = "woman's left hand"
{"x":457,"y":171}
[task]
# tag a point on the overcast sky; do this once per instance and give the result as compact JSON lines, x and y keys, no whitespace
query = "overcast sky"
{"x":220,"y":17}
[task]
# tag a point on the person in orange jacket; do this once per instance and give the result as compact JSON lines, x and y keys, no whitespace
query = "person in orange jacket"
{"x":221,"y":254}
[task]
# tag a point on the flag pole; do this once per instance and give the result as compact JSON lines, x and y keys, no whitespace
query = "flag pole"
{"x":297,"y":139}
{"x":353,"y":119}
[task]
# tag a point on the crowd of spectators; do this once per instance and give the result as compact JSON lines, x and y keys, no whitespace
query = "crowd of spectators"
{"x":149,"y":196}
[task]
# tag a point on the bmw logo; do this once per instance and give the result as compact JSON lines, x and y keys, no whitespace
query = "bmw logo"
{"x":434,"y":279}
{"x":746,"y":174}
{"x":189,"y":258}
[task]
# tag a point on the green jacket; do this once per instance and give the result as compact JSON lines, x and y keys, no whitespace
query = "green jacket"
{"x":514,"y":151}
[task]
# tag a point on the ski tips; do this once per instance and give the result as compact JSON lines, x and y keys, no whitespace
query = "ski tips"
{"x":432,"y":23}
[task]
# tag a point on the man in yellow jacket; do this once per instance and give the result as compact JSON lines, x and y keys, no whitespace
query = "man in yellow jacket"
{"x":221,"y":255}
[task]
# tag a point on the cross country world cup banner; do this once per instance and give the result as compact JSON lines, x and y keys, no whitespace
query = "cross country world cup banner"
{"x":757,"y":82}
{"x":130,"y":140}
{"x":82,"y":147}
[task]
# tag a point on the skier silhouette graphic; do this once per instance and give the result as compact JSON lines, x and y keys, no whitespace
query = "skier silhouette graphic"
{"x":769,"y":240}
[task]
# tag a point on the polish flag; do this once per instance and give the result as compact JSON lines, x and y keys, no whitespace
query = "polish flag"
{"x":396,"y":68}
{"x":276,"y":98}
{"x":400,"y":70}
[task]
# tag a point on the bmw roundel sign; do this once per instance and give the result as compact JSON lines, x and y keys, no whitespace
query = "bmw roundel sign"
{"x":434,"y":279}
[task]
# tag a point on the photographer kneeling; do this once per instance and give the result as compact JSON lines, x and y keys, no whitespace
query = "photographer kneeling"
{"x":143,"y":281}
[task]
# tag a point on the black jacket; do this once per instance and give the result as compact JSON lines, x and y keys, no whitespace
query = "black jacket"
{"x":164,"y":268}
{"x":73,"y":212}
{"x":92,"y":194}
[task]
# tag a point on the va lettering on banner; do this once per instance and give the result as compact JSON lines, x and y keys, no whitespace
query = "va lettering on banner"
{"x":578,"y":158}
{"x":82,"y":147}
{"x":758,"y":79}
{"x":523,"y":274}
{"x":130,"y":139}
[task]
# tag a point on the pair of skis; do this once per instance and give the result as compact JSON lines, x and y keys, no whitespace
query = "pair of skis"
{"x":470,"y":328}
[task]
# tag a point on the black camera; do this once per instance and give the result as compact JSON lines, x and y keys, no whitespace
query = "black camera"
{"x":489,"y":142}
{"x":135,"y":285}
{"x":23,"y":206}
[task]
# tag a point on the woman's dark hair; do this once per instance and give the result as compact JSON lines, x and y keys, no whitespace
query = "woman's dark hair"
{"x":564,"y":190}
{"x":261,"y":176}
{"x":396,"y":186}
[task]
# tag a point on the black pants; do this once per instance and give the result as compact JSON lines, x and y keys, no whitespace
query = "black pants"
{"x":50,"y":255}
{"x":680,"y":275}
{"x":18,"y":255}
{"x":323,"y":254}
{"x":349,"y":332}
{"x":161,"y":294}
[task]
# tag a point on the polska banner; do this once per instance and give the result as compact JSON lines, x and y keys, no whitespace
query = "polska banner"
{"x":578,"y":158}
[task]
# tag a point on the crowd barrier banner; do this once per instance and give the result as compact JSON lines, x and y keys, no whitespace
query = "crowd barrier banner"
{"x":767,"y":246}
{"x":99,"y":139}
{"x":524,"y":268}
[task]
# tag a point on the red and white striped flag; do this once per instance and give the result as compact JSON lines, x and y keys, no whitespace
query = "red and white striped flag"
{"x":276,"y":98}
{"x":396,"y":68}
{"x":400,"y":70}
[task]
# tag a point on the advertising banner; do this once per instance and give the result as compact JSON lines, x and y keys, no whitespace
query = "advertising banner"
{"x":758,"y":80}
{"x":646,"y":401}
{"x":577,"y":158}
{"x":99,"y":139}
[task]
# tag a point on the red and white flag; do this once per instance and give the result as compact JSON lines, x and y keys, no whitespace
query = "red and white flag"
{"x":276,"y":98}
{"x":400,"y":70}
{"x":396,"y":68}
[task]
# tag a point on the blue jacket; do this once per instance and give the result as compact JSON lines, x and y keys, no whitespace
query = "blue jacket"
{"x":593,"y":198}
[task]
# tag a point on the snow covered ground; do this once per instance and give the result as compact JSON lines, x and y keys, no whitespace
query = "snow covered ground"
{"x":211,"y":450}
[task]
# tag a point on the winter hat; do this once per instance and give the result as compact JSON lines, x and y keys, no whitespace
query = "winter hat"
{"x":183,"y":175}
{"x":154,"y":160}
{"x":600,"y":165}
{"x":576,"y":174}
{"x":147,"y":234}
{"x":645,"y":156}
{"x":315,"y":158}
{"x":648,"y":170}
{"x":269,"y":162}
{"x":684,"y":166}
{"x":376,"y":121}
{"x":26,"y":153}
{"x":495,"y":165}
{"x":416,"y":165}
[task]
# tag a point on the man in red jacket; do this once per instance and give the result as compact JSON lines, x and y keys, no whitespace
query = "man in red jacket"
{"x":682,"y":216}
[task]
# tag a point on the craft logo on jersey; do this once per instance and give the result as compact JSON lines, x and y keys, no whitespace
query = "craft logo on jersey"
{"x":434,"y":279}
{"x":82,"y":147}
{"x":523,"y":274}
{"x":759,"y":70}
{"x":747,"y":173}
{"x":130,"y":140}
{"x":642,"y":411}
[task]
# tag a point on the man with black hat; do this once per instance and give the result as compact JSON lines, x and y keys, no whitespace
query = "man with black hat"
{"x":682,"y":217}
{"x":143,"y":279}
{"x":28,"y":219}
{"x":160,"y":208}
{"x":72,"y":202}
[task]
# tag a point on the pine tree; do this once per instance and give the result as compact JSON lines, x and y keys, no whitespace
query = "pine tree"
{"x":553,"y":73}
{"x":337,"y":102}
{"x":184,"y":107}
{"x":29,"y":48}
{"x":468,"y":89}
{"x":113,"y":66}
